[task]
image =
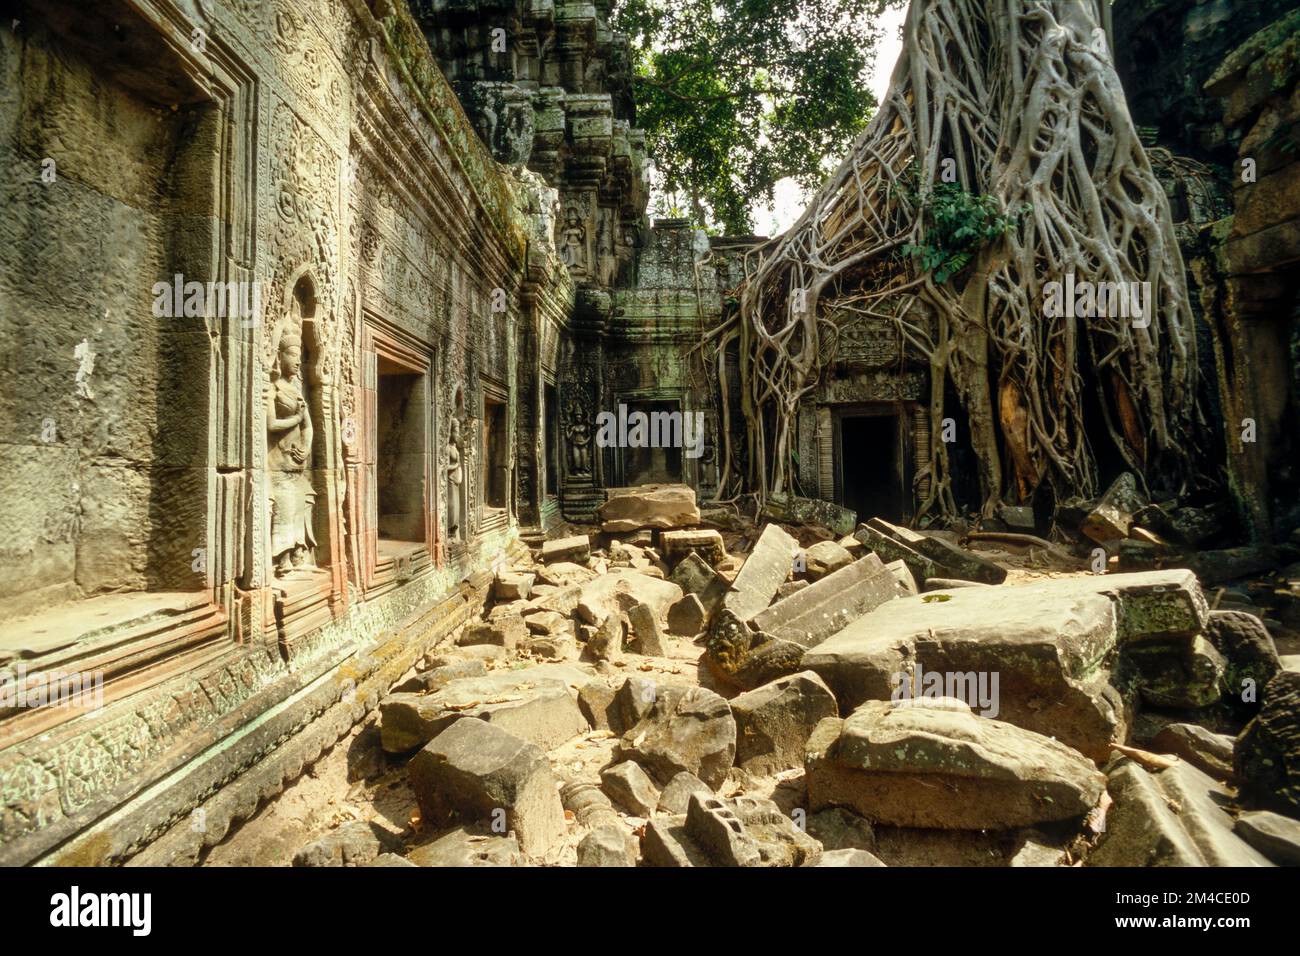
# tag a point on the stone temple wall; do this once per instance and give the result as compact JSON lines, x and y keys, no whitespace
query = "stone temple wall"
{"x":236,"y":523}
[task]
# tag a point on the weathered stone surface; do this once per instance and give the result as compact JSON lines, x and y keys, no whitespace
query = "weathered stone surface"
{"x":355,"y":843}
{"x":633,"y":701}
{"x":1248,"y":648}
{"x":664,"y":842}
{"x":629,"y":787}
{"x":1112,"y":517}
{"x":1049,"y":647}
{"x":505,"y":632}
{"x":645,"y":625}
{"x":705,"y":542}
{"x":618,"y":591}
{"x":538,"y":709}
{"x":764,"y":570}
{"x":933,"y":763}
{"x":390,"y":859}
{"x":889,"y":549}
{"x":649,"y":506}
{"x":791,"y":587}
{"x":811,"y":615}
{"x":512,"y":585}
{"x":676,"y":794}
{"x":610,"y":845}
{"x":549,"y":623}
{"x":574,"y":549}
{"x":838,"y":829}
{"x":714,"y":826}
{"x":1170,"y":818}
{"x":469,"y":847}
{"x":849,"y":857}
{"x":596,"y":701}
{"x":822,"y":558}
{"x":1267,"y":755}
{"x":431,"y":680}
{"x":685,"y":729}
{"x":792,"y":509}
{"x":942,"y":558}
{"x":1178,"y":673}
{"x":606,"y":644}
{"x":694,"y":576}
{"x":773,"y":722}
{"x":687,"y":617}
{"x":1275,"y":836}
{"x":565,"y":575}
{"x":473,"y":769}
{"x":1202,"y":748}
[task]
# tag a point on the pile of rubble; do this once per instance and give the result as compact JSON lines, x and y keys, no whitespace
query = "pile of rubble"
{"x":642,"y":696}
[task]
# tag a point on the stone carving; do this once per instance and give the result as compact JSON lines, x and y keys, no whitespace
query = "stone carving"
{"x":573,"y":247}
{"x":579,"y":435}
{"x":455,"y":482}
{"x":288,"y":459}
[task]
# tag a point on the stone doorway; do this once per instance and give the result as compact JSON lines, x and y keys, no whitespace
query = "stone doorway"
{"x":648,"y":465}
{"x":869,"y":463}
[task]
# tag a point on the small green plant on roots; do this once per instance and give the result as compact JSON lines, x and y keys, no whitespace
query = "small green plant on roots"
{"x":960,"y":224}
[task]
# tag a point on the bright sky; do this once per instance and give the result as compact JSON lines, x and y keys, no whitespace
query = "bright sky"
{"x":790,"y":199}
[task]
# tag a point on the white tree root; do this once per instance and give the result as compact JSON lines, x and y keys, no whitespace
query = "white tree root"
{"x":1023,"y":96}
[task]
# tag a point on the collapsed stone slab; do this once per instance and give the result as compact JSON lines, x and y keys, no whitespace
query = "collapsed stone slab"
{"x":791,"y":509}
{"x":684,"y":729}
{"x":814,"y":613}
{"x":474,"y":772}
{"x":927,"y":556}
{"x":538,"y":709}
{"x":936,"y":764}
{"x":574,"y":549}
{"x":1267,"y":755}
{"x":765,"y":569}
{"x":1170,"y":818}
{"x":649,"y":506}
{"x":468,"y":847}
{"x":706,"y":542}
{"x":774,"y":722}
{"x":822,"y":558}
{"x":617,"y":592}
{"x":694,"y":576}
{"x":743,"y":831}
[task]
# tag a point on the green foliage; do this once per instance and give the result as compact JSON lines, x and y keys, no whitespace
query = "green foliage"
{"x":960,"y":224}
{"x":735,"y":95}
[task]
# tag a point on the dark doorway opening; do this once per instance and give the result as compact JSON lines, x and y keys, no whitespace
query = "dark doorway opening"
{"x":496,"y":462}
{"x":646,"y":465}
{"x":551,"y":433}
{"x":870,"y":466}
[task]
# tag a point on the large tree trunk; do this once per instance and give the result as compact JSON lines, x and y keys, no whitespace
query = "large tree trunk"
{"x":1022,"y":95}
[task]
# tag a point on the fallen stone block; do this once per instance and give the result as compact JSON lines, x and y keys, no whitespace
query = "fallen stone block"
{"x":390,"y":859}
{"x":934,"y":763}
{"x":629,"y":787}
{"x":849,"y":858}
{"x":1180,"y":673}
{"x":504,"y":632}
{"x":1170,"y":818}
{"x":619,"y":591}
{"x":687,"y":617}
{"x":664,"y":843}
{"x":714,"y":826}
{"x":1047,"y":647}
{"x":1207,"y":751}
{"x":694,"y":576}
{"x":1112,"y":517}
{"x":645,"y":625}
{"x":548,"y":623}
{"x":1267,"y":755}
{"x":539,"y":710}
{"x":610,"y":845}
{"x":791,"y":587}
{"x":575,"y":549}
{"x":764,"y":570}
{"x":1018,"y":518}
{"x":1275,"y":836}
{"x":596,"y":701}
{"x":811,"y":615}
{"x":429,"y":681}
{"x":1251,"y":656}
{"x":705,"y":542}
{"x":564,"y":575}
{"x":633,"y":700}
{"x":649,"y":506}
{"x":469,"y":847}
{"x":765,"y":828}
{"x":550,"y":647}
{"x":948,"y":559}
{"x":822,"y":558}
{"x":355,"y":843}
{"x":791,"y":509}
{"x":738,"y":655}
{"x":685,"y":729}
{"x":512,"y":585}
{"x":473,"y":771}
{"x":677,"y":792}
{"x":606,"y":644}
{"x":774,"y":722}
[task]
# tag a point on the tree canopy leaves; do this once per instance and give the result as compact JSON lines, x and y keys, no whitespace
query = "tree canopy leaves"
{"x":735,"y":95}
